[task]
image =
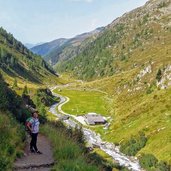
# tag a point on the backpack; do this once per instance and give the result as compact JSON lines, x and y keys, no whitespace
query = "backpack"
{"x":26,"y":123}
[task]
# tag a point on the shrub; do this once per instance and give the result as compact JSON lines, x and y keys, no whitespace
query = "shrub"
{"x":11,"y":140}
{"x":4,"y":163}
{"x":150,"y":162}
{"x":163,"y":4}
{"x":162,"y":166}
{"x":159,"y":75}
{"x":134,"y":144}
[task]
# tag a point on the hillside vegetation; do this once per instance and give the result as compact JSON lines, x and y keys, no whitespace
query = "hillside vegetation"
{"x":128,"y":43}
{"x":17,"y":61}
{"x":11,"y":132}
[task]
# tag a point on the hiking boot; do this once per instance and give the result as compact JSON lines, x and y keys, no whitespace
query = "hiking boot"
{"x":32,"y":151}
{"x":38,"y":152}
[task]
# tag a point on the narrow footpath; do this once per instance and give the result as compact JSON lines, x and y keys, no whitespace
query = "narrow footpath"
{"x":33,"y":161}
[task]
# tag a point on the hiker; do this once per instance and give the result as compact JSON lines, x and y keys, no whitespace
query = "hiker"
{"x":33,"y":126}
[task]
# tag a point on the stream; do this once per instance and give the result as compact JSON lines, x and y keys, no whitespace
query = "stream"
{"x":94,"y":139}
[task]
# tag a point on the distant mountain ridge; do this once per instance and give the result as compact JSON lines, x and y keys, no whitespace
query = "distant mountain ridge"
{"x":45,"y":48}
{"x":62,"y":49}
{"x":30,"y":45}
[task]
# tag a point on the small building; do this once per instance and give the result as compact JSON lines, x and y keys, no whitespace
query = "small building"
{"x":94,"y":119}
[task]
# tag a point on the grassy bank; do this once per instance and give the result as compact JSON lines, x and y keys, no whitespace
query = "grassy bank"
{"x":11,"y":141}
{"x":69,"y":150}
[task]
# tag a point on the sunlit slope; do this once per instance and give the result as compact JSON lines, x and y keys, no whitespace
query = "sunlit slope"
{"x":138,"y":106}
{"x":130,"y":41}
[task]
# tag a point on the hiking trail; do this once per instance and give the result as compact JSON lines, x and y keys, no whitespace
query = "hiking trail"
{"x":33,"y":161}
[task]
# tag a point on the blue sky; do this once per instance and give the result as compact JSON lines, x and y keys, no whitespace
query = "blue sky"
{"x":33,"y":21}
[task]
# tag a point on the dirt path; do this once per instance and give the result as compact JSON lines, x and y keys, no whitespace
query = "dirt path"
{"x":33,"y":161}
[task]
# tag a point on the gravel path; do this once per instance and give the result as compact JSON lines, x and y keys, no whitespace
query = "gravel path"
{"x":36,"y":162}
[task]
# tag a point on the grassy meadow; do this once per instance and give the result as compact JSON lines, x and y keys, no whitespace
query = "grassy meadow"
{"x":82,"y":102}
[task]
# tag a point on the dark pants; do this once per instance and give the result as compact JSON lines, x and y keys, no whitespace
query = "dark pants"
{"x":33,"y":143}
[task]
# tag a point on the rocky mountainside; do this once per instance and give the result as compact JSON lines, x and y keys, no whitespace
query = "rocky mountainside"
{"x":63,"y":49}
{"x":17,"y":61}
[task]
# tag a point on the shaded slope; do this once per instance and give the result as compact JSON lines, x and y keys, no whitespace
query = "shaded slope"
{"x":17,"y":60}
{"x":44,"y":49}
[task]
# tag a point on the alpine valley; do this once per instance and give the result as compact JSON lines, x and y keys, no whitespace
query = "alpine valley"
{"x":121,"y":71}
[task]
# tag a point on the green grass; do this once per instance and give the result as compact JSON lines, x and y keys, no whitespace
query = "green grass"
{"x":104,"y":155}
{"x":67,"y":152}
{"x":11,"y":143}
{"x":82,"y":102}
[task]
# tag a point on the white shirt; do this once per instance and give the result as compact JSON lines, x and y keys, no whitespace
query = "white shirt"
{"x":35,"y":125}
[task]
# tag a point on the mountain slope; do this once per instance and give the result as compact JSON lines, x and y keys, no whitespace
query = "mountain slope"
{"x":44,"y":49}
{"x":72,"y":47}
{"x":17,"y":61}
{"x":30,"y":45}
{"x":63,"y":49}
{"x":134,"y":37}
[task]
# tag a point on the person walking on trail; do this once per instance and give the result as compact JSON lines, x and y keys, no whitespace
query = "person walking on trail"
{"x":33,"y":126}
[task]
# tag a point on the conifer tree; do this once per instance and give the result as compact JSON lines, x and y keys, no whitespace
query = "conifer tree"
{"x":25,"y":91}
{"x":15,"y":84}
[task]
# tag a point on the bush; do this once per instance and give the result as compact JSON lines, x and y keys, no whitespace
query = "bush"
{"x":4,"y":163}
{"x":159,"y":75}
{"x":11,"y":140}
{"x":162,"y":166}
{"x":163,"y":4}
{"x":134,"y":144}
{"x":66,"y":150}
{"x":10,"y":101}
{"x":150,"y":162}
